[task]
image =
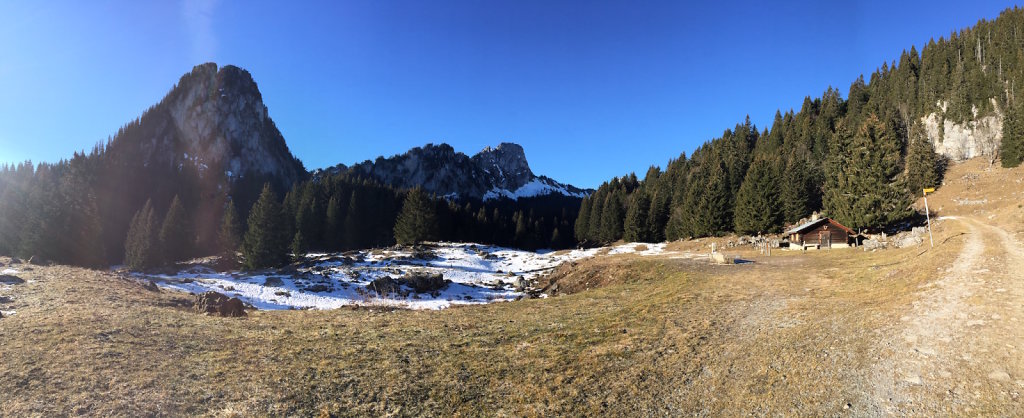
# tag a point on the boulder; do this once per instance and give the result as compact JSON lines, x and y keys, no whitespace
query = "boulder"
{"x":273,"y":282}
{"x":719,"y":258}
{"x":384,"y":286}
{"x":213,"y":303}
{"x":908,"y":240}
{"x":521,"y":284}
{"x":424,"y":282}
{"x":873,"y":244}
{"x":8,"y":279}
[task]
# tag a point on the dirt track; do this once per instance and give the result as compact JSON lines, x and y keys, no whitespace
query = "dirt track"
{"x":962,"y":340}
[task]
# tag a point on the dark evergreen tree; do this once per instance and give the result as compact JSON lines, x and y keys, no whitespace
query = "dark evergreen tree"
{"x":636,"y":227}
{"x":1011,"y":152}
{"x":333,"y":238}
{"x":266,"y":241}
{"x":923,"y":167}
{"x":864,"y":188}
{"x":758,"y":209}
{"x":229,"y":236}
{"x":583,"y":220}
{"x":141,"y":245}
{"x":417,"y":221}
{"x":176,"y":236}
{"x":798,"y":191}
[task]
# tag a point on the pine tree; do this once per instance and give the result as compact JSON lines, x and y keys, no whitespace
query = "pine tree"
{"x":417,"y":221}
{"x":707,"y":210}
{"x":140,"y":251}
{"x":299,"y":245}
{"x":583,"y":220}
{"x":354,"y":231}
{"x":636,"y":228}
{"x":266,"y":241}
{"x":332,"y":234}
{"x":864,"y":188}
{"x":229,"y":237}
{"x":1011,"y":152}
{"x":797,"y":191}
{"x":176,"y":237}
{"x":922,"y":163}
{"x":612,"y":217}
{"x":757,"y":203}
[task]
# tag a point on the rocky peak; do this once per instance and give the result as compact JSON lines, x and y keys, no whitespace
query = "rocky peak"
{"x":221,"y":121}
{"x":500,"y":172}
{"x":507,"y":164}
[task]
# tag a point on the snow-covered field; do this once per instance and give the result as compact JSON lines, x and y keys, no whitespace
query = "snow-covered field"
{"x":478,"y":274}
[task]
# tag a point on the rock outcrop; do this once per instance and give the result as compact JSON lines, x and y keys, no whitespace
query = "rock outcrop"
{"x":979,"y":137}
{"x":213,"y":303}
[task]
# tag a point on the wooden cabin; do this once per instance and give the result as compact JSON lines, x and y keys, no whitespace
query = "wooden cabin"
{"x":821,"y":233}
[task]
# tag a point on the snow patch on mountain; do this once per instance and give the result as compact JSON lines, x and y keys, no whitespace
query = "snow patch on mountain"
{"x":536,"y":187}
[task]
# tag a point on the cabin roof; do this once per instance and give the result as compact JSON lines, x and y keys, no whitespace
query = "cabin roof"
{"x":808,"y":225}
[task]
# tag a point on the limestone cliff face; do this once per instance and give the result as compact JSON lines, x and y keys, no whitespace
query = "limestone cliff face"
{"x":215,"y":119}
{"x":979,"y":137}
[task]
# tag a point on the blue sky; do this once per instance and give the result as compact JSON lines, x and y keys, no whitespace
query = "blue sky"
{"x":591,"y":89}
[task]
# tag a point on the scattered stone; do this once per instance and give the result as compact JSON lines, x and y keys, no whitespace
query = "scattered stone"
{"x":213,"y":303}
{"x":913,"y":379}
{"x":848,"y":405}
{"x":283,"y":293}
{"x":521,"y":284}
{"x":318,"y":288}
{"x":999,"y":375}
{"x":273,"y":282}
{"x":5,"y":299}
{"x":8,"y":279}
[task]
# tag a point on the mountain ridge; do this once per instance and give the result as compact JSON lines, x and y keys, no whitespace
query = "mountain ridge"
{"x":493,"y":173}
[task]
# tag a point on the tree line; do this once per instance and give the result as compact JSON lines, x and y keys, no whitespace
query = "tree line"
{"x":861,"y":160}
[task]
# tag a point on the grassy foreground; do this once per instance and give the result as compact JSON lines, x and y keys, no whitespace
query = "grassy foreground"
{"x":667,"y":337}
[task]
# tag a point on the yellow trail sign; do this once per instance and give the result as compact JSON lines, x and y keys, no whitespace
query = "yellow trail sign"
{"x":929,"y":190}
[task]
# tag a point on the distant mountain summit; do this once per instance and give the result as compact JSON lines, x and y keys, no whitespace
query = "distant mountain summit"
{"x":493,"y":173}
{"x":215,"y":120}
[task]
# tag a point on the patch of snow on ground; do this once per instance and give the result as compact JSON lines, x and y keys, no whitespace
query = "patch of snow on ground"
{"x":10,"y":271}
{"x":478,"y":274}
{"x":631,"y":248}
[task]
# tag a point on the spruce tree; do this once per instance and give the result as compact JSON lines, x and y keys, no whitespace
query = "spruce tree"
{"x":922,"y":163}
{"x":758,"y":209}
{"x":636,"y":228}
{"x":354,"y":230}
{"x":864,"y":188}
{"x":229,"y":237}
{"x":176,"y":237}
{"x":612,"y":217}
{"x":333,"y":239}
{"x":707,"y":209}
{"x":266,"y":241}
{"x":417,"y":221}
{"x":1011,"y":152}
{"x":583,"y":220}
{"x":140,"y":247}
{"x":797,"y":190}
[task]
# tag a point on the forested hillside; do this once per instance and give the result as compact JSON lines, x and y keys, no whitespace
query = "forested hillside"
{"x":860,"y":159}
